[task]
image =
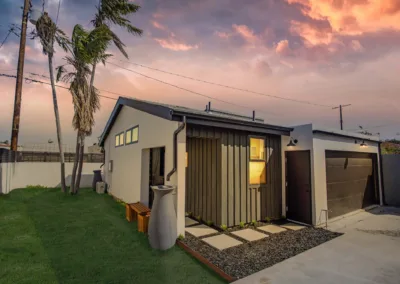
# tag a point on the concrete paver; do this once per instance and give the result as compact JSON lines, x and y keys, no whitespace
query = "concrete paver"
{"x":222,"y":242}
{"x":293,"y":226}
{"x":272,"y":229}
{"x":200,"y":230}
{"x":190,"y":222}
{"x":250,"y":235}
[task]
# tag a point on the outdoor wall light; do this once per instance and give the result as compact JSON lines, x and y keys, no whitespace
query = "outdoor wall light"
{"x":292,"y":142}
{"x":362,"y":144}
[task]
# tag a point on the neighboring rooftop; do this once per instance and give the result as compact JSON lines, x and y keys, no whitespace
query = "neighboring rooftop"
{"x":344,"y":133}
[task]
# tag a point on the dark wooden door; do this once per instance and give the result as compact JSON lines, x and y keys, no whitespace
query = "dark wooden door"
{"x":298,"y":188}
{"x":351,"y":181}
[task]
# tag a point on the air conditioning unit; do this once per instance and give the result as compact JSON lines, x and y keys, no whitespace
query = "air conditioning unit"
{"x":100,"y":187}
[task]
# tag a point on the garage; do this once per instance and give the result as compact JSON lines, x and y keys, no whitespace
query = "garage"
{"x":351,"y":179}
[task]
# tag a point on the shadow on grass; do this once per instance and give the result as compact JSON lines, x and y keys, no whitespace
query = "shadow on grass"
{"x":88,"y":240}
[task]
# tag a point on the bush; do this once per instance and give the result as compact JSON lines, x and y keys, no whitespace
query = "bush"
{"x":268,"y":220}
{"x":209,"y":223}
{"x":241,"y":225}
{"x":198,"y":218}
{"x":181,"y":237}
{"x":253,"y":222}
{"x":35,"y":186}
{"x":224,"y":227}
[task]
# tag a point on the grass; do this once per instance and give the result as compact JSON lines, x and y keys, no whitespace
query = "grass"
{"x":49,"y":237}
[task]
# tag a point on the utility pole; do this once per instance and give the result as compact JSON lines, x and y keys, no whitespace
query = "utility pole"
{"x":20,"y":75}
{"x":341,"y":114}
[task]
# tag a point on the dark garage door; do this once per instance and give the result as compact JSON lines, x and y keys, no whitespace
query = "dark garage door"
{"x":351,"y":181}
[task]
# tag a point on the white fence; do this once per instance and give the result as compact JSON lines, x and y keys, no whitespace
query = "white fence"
{"x":20,"y":175}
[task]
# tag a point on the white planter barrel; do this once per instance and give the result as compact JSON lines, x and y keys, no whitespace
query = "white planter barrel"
{"x":162,"y":225}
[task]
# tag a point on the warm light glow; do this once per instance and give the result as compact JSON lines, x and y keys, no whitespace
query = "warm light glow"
{"x":257,"y":149}
{"x":257,"y":173}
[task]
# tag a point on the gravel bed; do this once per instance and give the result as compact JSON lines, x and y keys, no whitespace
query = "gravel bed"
{"x":251,"y":257}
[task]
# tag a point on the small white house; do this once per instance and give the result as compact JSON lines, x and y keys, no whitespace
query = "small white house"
{"x":229,"y":168}
{"x":329,"y":173}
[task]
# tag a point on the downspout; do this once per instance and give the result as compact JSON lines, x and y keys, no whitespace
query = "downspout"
{"x":176,"y":132}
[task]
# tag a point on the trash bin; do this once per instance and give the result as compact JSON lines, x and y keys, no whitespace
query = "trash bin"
{"x":96,"y":178}
{"x":162,"y":224}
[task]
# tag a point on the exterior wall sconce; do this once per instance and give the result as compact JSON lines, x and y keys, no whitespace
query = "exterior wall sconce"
{"x":362,"y":144}
{"x":292,"y":142}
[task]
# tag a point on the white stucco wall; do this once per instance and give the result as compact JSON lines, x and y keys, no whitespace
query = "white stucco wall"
{"x":22,"y":174}
{"x":129,"y":179}
{"x":318,"y":144}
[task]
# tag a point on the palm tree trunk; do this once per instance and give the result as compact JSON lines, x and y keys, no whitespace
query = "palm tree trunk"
{"x":73,"y":177}
{"x":58,"y":124}
{"x":80,"y":165}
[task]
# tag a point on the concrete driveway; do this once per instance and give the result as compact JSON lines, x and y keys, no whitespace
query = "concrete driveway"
{"x":368,"y":253}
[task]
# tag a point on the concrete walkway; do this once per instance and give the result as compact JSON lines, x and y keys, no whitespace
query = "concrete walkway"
{"x":368,"y":252}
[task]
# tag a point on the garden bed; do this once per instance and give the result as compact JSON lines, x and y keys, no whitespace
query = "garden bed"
{"x":251,"y":257}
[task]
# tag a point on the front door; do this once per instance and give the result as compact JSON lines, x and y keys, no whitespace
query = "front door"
{"x":156,"y":174}
{"x":298,"y":187}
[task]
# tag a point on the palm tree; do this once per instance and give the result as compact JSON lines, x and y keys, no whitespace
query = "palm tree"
{"x":111,"y":12}
{"x":86,"y":46}
{"x":49,"y":33}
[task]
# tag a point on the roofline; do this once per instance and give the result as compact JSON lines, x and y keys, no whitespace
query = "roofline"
{"x":204,"y":119}
{"x":346,"y":135}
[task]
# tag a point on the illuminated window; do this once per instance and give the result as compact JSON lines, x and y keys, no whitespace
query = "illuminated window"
{"x":119,"y":139}
{"x":128,"y":137}
{"x":257,"y":165}
{"x":132,"y":135}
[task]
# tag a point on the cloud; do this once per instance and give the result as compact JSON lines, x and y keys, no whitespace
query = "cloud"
{"x":283,"y":47}
{"x":262,"y":68}
{"x":246,"y":33}
{"x":312,"y":34}
{"x":223,"y":35}
{"x":175,"y":45}
{"x":356,"y":46}
{"x":159,"y":26}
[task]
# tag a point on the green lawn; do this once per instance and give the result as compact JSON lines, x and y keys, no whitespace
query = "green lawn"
{"x":49,"y":237}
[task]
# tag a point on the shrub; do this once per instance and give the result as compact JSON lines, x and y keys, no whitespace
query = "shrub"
{"x":190,"y":214}
{"x":253,"y":222}
{"x":283,"y":217}
{"x":224,"y":227}
{"x":30,"y":186}
{"x":181,"y":237}
{"x":268,"y":220}
{"x":209,"y":223}
{"x":241,"y":225}
{"x":198,"y":218}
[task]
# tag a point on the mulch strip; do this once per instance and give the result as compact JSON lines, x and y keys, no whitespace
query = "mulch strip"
{"x":250,"y":257}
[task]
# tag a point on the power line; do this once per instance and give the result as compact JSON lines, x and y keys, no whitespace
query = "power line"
{"x":59,"y":86}
{"x":226,"y":86}
{"x":9,"y":32}
{"x":376,"y":126}
{"x":187,"y":90}
{"x":58,"y":10}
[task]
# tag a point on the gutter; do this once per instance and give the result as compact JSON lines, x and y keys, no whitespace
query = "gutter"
{"x":176,"y":132}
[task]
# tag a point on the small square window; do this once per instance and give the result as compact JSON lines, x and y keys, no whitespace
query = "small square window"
{"x":256,"y":149}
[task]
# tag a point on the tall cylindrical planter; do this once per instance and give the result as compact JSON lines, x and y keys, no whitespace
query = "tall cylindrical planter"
{"x":96,"y":178}
{"x":162,"y":224}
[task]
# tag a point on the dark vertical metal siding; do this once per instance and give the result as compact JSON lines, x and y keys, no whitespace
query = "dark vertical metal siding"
{"x":218,"y":177}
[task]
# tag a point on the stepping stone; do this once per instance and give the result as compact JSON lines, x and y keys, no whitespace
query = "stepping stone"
{"x":190,"y":222}
{"x":272,"y":229}
{"x":249,"y":235}
{"x":293,"y":226}
{"x":200,"y":230}
{"x":222,"y":242}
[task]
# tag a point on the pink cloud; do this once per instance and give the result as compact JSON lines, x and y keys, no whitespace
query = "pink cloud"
{"x":283,"y":47}
{"x":356,"y":46}
{"x":159,"y":26}
{"x":312,"y":34}
{"x":223,"y":35}
{"x":175,"y":45}
{"x":246,"y":33}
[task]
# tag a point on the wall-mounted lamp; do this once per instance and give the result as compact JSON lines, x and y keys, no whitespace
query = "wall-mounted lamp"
{"x":292,"y":142}
{"x":362,"y":144}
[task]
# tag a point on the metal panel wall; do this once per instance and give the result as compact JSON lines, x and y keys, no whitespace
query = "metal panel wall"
{"x":235,"y":200}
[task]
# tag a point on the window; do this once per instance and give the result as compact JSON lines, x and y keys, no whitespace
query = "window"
{"x":133,"y":134}
{"x":119,"y":139}
{"x":257,"y":165}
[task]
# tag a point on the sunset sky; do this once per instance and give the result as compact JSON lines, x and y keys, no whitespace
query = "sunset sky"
{"x":326,"y":52}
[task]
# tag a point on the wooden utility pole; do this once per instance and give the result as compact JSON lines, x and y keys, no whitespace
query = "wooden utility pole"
{"x":341,"y":114}
{"x":20,"y":75}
